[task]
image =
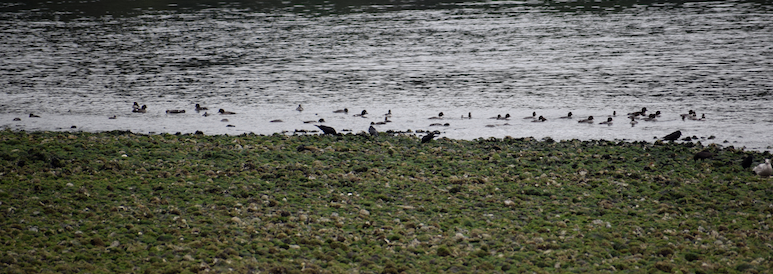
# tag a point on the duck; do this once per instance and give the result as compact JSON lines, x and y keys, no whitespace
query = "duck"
{"x":639,"y":113}
{"x":224,"y":112}
{"x":200,"y":108}
{"x":533,"y":116}
{"x":361,"y":114}
{"x":175,"y":111}
{"x":469,"y":116}
{"x":378,"y":123}
{"x":764,"y":169}
{"x":313,"y":121}
{"x":135,"y":106}
{"x":587,"y":121}
{"x":687,"y":115}
{"x":276,"y":121}
{"x":607,"y":122}
{"x":439,"y":125}
{"x":17,"y":119}
{"x":372,"y":131}
{"x":142,"y":109}
{"x":345,"y":110}
{"x":388,"y":114}
{"x":32,"y":115}
{"x":694,"y":117}
{"x":651,"y":118}
{"x":224,"y":120}
{"x":439,"y":116}
{"x":633,"y":121}
{"x":206,"y":114}
{"x":568,"y":116}
{"x":506,"y":117}
{"x":299,"y":108}
{"x":498,"y":117}
{"x":112,"y":117}
{"x":539,"y":120}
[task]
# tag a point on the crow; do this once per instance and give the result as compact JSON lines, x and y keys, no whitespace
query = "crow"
{"x":702,"y":155}
{"x":427,"y":137}
{"x":747,"y":162}
{"x":327,"y":129}
{"x":673,"y":136}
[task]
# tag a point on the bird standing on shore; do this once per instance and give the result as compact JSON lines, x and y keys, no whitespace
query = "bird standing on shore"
{"x":747,"y":162}
{"x":372,"y":131}
{"x":702,"y":155}
{"x":327,"y":130}
{"x":428,"y":137}
{"x":673,"y":136}
{"x":764,"y":169}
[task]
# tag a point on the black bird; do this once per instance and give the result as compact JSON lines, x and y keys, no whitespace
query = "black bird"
{"x":747,"y":162}
{"x":372,"y":131}
{"x":428,"y":137}
{"x":702,"y":155}
{"x":673,"y":136}
{"x":327,"y":129}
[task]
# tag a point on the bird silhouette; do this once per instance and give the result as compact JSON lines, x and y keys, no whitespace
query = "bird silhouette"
{"x":673,"y":136}
{"x":702,"y":155}
{"x":428,"y":137}
{"x":747,"y":162}
{"x":372,"y":131}
{"x":327,"y":129}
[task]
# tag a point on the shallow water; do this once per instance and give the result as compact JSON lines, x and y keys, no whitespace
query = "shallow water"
{"x":485,"y":58}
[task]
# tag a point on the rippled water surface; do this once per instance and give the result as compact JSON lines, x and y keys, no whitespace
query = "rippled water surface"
{"x":77,"y":67}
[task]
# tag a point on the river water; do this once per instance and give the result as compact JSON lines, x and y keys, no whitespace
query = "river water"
{"x":76,"y":64}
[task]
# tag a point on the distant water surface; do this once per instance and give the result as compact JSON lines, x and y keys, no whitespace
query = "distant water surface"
{"x":77,"y":66}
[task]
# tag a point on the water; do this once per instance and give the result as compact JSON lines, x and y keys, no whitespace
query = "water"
{"x":77,"y":64}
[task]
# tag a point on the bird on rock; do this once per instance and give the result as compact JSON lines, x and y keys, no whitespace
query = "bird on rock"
{"x":673,"y":136}
{"x":327,"y":129}
{"x":428,"y":137}
{"x":764,"y":169}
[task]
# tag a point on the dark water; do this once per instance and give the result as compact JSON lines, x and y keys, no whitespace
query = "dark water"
{"x":79,"y":63}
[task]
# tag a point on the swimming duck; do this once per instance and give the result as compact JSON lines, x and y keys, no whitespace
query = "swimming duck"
{"x":312,"y":121}
{"x":17,"y":119}
{"x":224,"y":112}
{"x":378,"y":123}
{"x":175,"y":111}
{"x":361,"y":114}
{"x":389,"y":113}
{"x":32,"y":115}
{"x":499,"y":117}
{"x":607,"y":122}
{"x":142,"y":109}
{"x":135,"y":106}
{"x":439,"y":125}
{"x":694,"y":117}
{"x":299,"y":108}
{"x":764,"y":169}
{"x":568,"y":116}
{"x":539,"y":120}
{"x":533,"y":116}
{"x":651,"y":118}
{"x":346,"y":110}
{"x":469,"y":116}
{"x":639,"y":113}
{"x":205,"y":114}
{"x":276,"y":121}
{"x":439,"y":116}
{"x":587,"y":121}
{"x":506,"y":117}
{"x":633,"y":121}
{"x":200,"y":108}
{"x":689,"y":114}
{"x":111,"y":117}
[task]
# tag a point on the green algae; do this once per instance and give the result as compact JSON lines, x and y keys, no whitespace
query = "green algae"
{"x":121,"y":202}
